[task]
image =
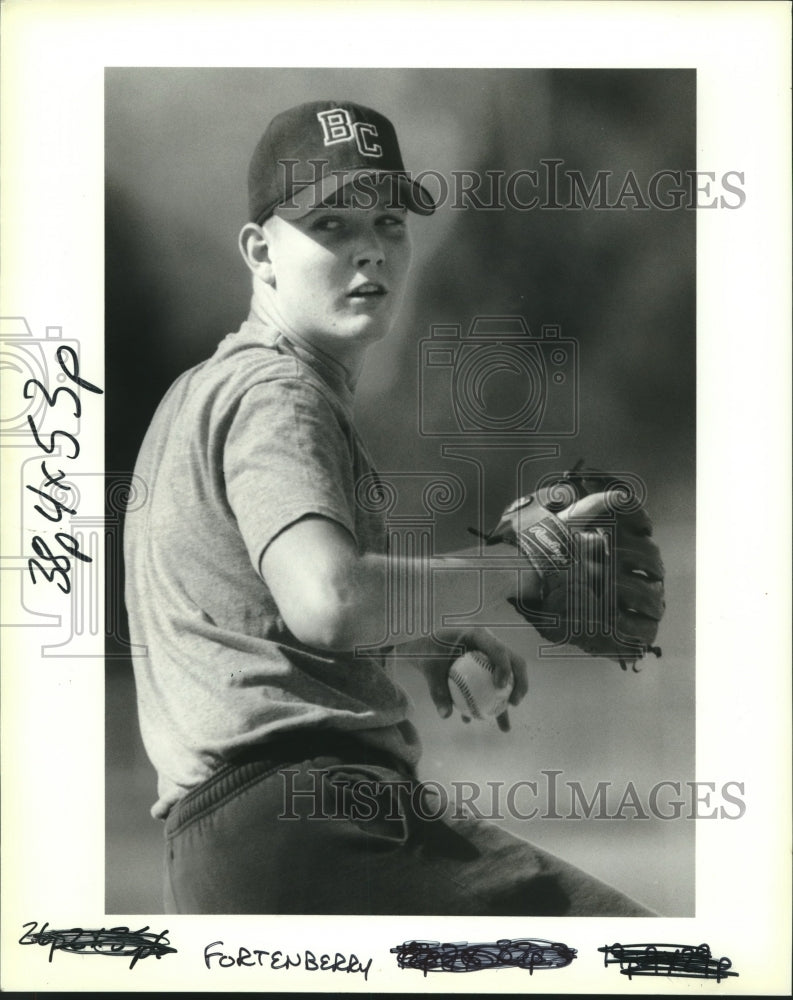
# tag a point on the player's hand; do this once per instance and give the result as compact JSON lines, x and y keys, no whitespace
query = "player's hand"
{"x":435,"y":662}
{"x":586,"y":540}
{"x":634,"y":564}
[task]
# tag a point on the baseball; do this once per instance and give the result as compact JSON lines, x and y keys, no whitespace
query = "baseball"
{"x":472,"y":687}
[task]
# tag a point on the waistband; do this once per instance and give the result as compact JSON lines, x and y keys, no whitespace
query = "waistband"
{"x":253,"y":763}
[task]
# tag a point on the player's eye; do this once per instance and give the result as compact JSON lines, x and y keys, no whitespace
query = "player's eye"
{"x":326,"y":224}
{"x":391,"y":220}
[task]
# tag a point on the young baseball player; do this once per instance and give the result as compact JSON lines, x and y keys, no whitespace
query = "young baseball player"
{"x":258,"y":581}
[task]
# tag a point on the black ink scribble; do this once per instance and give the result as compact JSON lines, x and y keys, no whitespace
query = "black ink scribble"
{"x":680,"y":961}
{"x":523,"y":953}
{"x":120,"y":941}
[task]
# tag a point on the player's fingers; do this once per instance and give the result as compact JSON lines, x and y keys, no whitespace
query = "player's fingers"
{"x":642,"y":558}
{"x":503,"y":722}
{"x":639,"y":557}
{"x":634,"y":522}
{"x":520,"y":679}
{"x":498,"y":654}
{"x":635,"y":591}
{"x":636,"y":628}
{"x":437,"y":681}
{"x":646,"y":597}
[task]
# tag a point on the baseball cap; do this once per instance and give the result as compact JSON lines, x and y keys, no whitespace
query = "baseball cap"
{"x":309,"y":153}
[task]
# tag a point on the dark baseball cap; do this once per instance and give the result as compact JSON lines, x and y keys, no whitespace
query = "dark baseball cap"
{"x":311,"y":152}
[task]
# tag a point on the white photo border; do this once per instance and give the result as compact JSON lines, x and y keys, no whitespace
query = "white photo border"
{"x":54,"y":57}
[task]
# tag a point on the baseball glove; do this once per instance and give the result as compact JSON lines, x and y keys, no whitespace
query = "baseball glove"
{"x":587,"y":536}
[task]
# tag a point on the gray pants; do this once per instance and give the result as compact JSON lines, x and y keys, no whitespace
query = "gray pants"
{"x":350,"y":832}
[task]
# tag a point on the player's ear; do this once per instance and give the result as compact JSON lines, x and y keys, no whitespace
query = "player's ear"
{"x":255,"y":250}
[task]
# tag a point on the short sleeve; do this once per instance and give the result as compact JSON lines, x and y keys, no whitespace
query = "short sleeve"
{"x":286,"y":455}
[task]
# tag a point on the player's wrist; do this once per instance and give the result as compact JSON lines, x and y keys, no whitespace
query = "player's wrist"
{"x":487,"y":580}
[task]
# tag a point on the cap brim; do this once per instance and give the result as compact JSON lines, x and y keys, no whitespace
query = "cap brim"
{"x":350,"y":189}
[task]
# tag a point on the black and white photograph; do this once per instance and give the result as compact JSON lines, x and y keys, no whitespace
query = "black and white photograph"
{"x":377,"y":428}
{"x":515,"y":317}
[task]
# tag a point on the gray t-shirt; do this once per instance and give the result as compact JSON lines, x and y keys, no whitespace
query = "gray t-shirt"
{"x":242,"y":446}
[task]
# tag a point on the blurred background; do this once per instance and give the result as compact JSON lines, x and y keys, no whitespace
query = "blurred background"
{"x":619,"y":283}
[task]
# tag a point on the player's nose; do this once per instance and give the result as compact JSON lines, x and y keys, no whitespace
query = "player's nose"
{"x":369,"y":254}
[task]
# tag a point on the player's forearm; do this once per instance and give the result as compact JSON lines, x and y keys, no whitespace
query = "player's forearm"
{"x":391,"y":600}
{"x":332,"y":598}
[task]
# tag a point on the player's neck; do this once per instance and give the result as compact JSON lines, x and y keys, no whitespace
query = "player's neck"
{"x":350,"y":362}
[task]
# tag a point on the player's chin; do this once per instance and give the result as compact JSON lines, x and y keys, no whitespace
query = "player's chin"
{"x":367,"y":327}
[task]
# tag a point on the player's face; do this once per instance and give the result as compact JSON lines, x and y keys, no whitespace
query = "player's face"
{"x":338,"y":273}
